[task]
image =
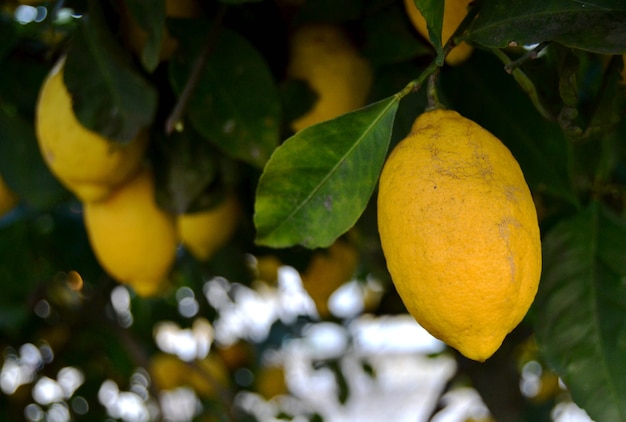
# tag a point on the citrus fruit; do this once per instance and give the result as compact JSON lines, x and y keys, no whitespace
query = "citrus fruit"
{"x":205,"y":376}
{"x":323,"y":56}
{"x":328,"y":270}
{"x":86,"y":163}
{"x":204,"y":232}
{"x":270,"y":382}
{"x":8,"y":199}
{"x":459,"y":232}
{"x":132,"y":238}
{"x":453,"y":14}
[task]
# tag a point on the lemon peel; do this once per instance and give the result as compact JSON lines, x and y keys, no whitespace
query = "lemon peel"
{"x":459,"y":232}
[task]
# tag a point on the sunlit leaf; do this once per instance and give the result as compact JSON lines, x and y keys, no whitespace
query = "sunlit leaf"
{"x":316,"y":185}
{"x":109,"y":96}
{"x":581,"y":310}
{"x":235,"y":103}
{"x":597,"y":25}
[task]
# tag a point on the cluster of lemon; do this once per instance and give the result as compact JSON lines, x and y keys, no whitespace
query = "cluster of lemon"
{"x":134,"y":240}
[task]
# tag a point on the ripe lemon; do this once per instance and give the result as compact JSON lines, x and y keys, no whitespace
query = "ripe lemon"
{"x":132,"y":238}
{"x":270,"y":382}
{"x":327,"y":271}
{"x":323,"y":56}
{"x":206,"y":376}
{"x":453,"y":14}
{"x":86,"y":163}
{"x":203,"y":233}
{"x":8,"y":199}
{"x":459,"y":231}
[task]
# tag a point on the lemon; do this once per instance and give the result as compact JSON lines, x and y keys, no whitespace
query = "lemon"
{"x":453,"y":14}
{"x":206,"y":376}
{"x":132,"y":238}
{"x":323,"y":56}
{"x":459,"y":232}
{"x":86,"y":163}
{"x":203,"y":233}
{"x":270,"y":382}
{"x":327,"y":271}
{"x":8,"y":199}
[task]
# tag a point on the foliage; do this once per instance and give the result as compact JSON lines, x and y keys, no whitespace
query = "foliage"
{"x":545,"y":77}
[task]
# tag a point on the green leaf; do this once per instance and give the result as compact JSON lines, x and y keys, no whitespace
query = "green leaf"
{"x":235,"y":103}
{"x":432,"y":10}
{"x":150,"y":16}
{"x":581,"y":310}
{"x":598,"y":25}
{"x":316,"y":185}
{"x":21,"y":164}
{"x":109,"y":96}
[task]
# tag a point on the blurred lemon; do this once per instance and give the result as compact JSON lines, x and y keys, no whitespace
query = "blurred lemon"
{"x":270,"y":382}
{"x":8,"y":199}
{"x":86,"y":163}
{"x":267,"y":268}
{"x":133,"y":239}
{"x":328,"y":270}
{"x":323,"y":56}
{"x":204,"y":232}
{"x":208,"y":376}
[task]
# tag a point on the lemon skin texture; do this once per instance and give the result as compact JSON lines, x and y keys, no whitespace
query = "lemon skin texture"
{"x":83,"y":161}
{"x":453,"y":14}
{"x":459,"y":232}
{"x":203,"y":233}
{"x":8,"y":199}
{"x":132,"y":238}
{"x":324,"y":57}
{"x":327,"y":271}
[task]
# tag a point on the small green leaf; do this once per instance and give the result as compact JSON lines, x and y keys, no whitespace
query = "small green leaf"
{"x":432,"y":10}
{"x":150,"y":16}
{"x":598,"y":26}
{"x":317,"y":184}
{"x":581,"y":310}
{"x":109,"y":96}
{"x":235,"y":103}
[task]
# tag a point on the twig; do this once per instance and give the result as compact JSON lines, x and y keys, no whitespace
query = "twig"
{"x":183,"y":101}
{"x":530,"y":55}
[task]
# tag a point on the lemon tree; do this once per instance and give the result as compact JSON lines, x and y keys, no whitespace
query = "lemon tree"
{"x":186,"y":186}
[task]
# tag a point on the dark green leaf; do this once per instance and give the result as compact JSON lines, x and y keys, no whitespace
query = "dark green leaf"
{"x":235,"y":103}
{"x":109,"y":96}
{"x":21,"y":164}
{"x":316,"y":185}
{"x":581,"y":310}
{"x":432,"y":10}
{"x":387,"y":41}
{"x":150,"y":16}
{"x":597,"y":25}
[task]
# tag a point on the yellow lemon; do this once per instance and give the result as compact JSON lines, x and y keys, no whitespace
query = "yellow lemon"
{"x":324,"y":57}
{"x":459,"y":232}
{"x":8,"y":199}
{"x":203,"y":233}
{"x":86,"y":163}
{"x":453,"y":14}
{"x":206,"y":376}
{"x":327,"y":271}
{"x":270,"y":382}
{"x":132,"y":238}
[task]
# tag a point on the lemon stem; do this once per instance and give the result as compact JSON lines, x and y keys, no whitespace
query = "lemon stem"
{"x":530,"y":55}
{"x":431,"y":93}
{"x":174,"y":119}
